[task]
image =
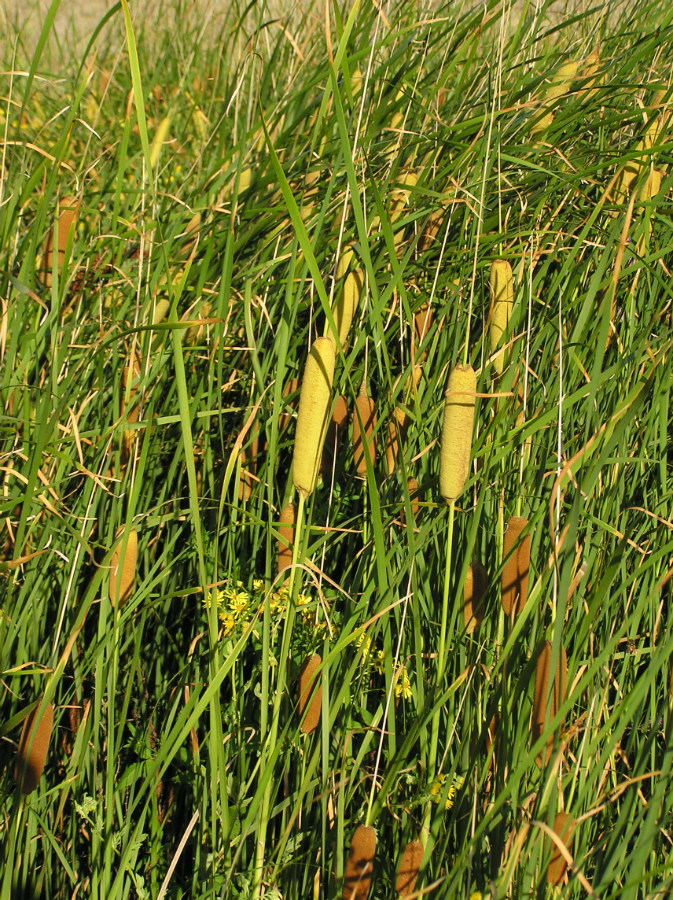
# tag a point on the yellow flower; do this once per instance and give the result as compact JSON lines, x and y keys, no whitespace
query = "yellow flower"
{"x":228,"y":623}
{"x":438,"y":784}
{"x":239,"y":601}
{"x":364,"y":645}
{"x":403,"y":685}
{"x":475,"y":895}
{"x":303,"y":600}
{"x":379,"y":662}
{"x":258,"y":585}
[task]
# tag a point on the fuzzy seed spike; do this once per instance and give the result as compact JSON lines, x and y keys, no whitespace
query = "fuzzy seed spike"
{"x":474,"y":593}
{"x":310,"y":694}
{"x":121,"y":582}
{"x":410,"y":864}
{"x":347,"y":303}
{"x":457,"y":431}
{"x":542,"y":675}
{"x":366,"y":412}
{"x":516,"y":553}
{"x":502,"y":300}
{"x":564,"y":827}
{"x":33,"y":747}
{"x":360,"y":864}
{"x":66,"y":222}
{"x":288,"y":518}
{"x":313,"y":413}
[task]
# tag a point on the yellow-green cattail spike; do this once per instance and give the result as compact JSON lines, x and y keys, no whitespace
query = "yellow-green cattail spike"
{"x":347,"y":302}
{"x":459,"y":401}
{"x":502,"y":300}
{"x":312,"y":416}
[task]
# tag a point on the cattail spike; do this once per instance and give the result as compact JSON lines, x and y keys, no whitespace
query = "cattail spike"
{"x":410,"y":864}
{"x":310,"y":694}
{"x":457,"y":432}
{"x":122,"y":576}
{"x":313,"y":414}
{"x":474,"y":595}
{"x":516,"y":553}
{"x":288,"y":518}
{"x":365,"y":412}
{"x":33,"y":746}
{"x":360,"y":864}
{"x":502,"y":300}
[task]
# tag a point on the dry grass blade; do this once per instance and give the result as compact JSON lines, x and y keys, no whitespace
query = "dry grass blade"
{"x":310,"y":694}
{"x":412,"y":856}
{"x":33,"y":746}
{"x":123,"y":569}
{"x":360,"y":864}
{"x":516,"y":553}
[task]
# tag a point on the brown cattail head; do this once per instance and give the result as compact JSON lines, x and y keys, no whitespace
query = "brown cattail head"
{"x":457,"y":427}
{"x":123,"y":569}
{"x":129,"y":405}
{"x":68,"y":209}
{"x":398,"y":422}
{"x":542,"y":675}
{"x":516,"y":553}
{"x":335,"y":427}
{"x":345,"y":261}
{"x":422,"y":325}
{"x":313,"y":413}
{"x":564,"y":827}
{"x":412,"y":856}
{"x":288,"y":518}
{"x":474,"y":595}
{"x":310,"y":698}
{"x":502,"y":300}
{"x":33,"y":746}
{"x":360,"y":864}
{"x":365,"y":413}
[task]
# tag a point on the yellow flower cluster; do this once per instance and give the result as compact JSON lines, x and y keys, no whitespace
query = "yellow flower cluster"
{"x":437,"y":788}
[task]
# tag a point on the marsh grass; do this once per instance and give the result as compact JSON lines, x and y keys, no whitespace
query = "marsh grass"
{"x":167,"y":345}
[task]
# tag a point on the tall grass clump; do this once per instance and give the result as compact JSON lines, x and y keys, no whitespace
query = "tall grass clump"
{"x":203,"y":256}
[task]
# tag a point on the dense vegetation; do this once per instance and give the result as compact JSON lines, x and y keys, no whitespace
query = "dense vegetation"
{"x":181,"y":208}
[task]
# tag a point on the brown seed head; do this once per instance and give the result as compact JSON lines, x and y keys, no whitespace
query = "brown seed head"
{"x":365,"y":412}
{"x":412,"y":856}
{"x":474,"y":595}
{"x":286,"y":540}
{"x":516,"y":553}
{"x":310,"y":694}
{"x":33,"y":746}
{"x":123,"y":570}
{"x":360,"y":864}
{"x":564,"y":827}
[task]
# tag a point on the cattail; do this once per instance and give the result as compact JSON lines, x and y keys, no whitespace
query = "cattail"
{"x":345,"y":261}
{"x":161,"y":310}
{"x":347,"y":303}
{"x":366,"y":412}
{"x":399,"y":196}
{"x":360,"y":864}
{"x":68,"y":209}
{"x":33,"y":746}
{"x":502,"y":300}
{"x":474,"y":595}
{"x":564,"y":827}
{"x":335,"y":425}
{"x":312,"y":416}
{"x":516,"y":553}
{"x":158,"y":141}
{"x":542,"y":673}
{"x":286,"y":539}
{"x":456,"y":444}
{"x":412,"y":856}
{"x":130,"y":377}
{"x":310,"y":694}
{"x":422,"y":325}
{"x":123,"y":570}
{"x":560,"y":84}
{"x":398,"y":422}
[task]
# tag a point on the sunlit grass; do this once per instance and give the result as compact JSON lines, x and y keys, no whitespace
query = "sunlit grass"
{"x":174,"y":221}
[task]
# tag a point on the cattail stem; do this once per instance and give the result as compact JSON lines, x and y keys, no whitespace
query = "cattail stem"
{"x":441,"y":666}
{"x":278,"y":696}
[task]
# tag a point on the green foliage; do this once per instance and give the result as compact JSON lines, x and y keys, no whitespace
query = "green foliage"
{"x":149,"y":384}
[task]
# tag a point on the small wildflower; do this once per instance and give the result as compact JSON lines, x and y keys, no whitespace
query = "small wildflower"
{"x":379,"y":661}
{"x":403,"y":685}
{"x":364,"y":645}
{"x":438,"y":785}
{"x":303,"y":600}
{"x":258,"y":585}
{"x":228,"y":623}
{"x":239,"y":601}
